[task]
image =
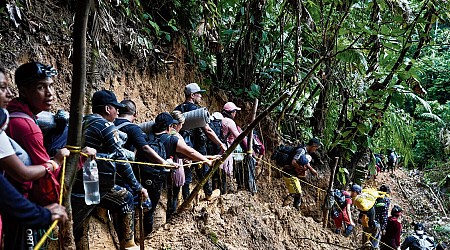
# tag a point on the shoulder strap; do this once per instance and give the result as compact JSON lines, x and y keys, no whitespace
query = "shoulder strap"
{"x":18,"y":114}
{"x":123,"y":124}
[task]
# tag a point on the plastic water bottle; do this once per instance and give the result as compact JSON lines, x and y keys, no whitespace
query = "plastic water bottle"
{"x":90,"y":181}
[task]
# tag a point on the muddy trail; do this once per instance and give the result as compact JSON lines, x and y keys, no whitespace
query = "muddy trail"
{"x":239,"y":220}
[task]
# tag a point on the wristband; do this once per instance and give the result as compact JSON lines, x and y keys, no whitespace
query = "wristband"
{"x":54,"y":164}
{"x":47,"y":168}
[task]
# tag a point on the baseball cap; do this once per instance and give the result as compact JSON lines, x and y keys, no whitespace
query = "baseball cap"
{"x":303,"y":160}
{"x":105,"y":97}
{"x":356,"y":188}
{"x":193,"y":88}
{"x":29,"y":73}
{"x":396,"y":209}
{"x":385,"y":188}
{"x":164,"y":120}
{"x":419,"y":228}
{"x":315,"y":142}
{"x":230,"y":106}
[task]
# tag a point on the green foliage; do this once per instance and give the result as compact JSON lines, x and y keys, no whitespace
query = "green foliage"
{"x":398,"y":132}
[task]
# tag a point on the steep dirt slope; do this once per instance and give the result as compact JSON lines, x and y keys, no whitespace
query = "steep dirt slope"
{"x":418,"y":202}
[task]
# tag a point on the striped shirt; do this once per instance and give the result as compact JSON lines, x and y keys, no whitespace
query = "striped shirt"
{"x":104,"y":137}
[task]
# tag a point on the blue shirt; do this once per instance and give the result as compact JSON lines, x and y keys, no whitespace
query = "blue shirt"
{"x":16,"y":207}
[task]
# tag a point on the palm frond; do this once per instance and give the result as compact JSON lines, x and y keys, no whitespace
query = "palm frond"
{"x":432,"y":117}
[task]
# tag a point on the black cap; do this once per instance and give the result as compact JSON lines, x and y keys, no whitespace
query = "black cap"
{"x":164,"y":120}
{"x":419,"y":228}
{"x":385,"y":188}
{"x":29,"y":73}
{"x":105,"y":97}
{"x":396,"y":210}
{"x":315,"y":142}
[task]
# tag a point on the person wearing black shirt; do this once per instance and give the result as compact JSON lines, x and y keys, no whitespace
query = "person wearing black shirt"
{"x":198,"y":136}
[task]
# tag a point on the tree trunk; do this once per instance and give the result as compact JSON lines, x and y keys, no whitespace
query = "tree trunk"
{"x":76,"y":112}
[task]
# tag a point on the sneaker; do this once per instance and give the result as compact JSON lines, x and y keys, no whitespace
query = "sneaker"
{"x":214,"y":195}
{"x":348,"y":230}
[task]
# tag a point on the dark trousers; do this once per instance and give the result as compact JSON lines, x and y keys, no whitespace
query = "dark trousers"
{"x":153,"y":181}
{"x":172,"y":197}
{"x":202,"y":171}
{"x":188,"y":180}
{"x":18,"y":236}
{"x":119,"y":200}
{"x":219,"y":181}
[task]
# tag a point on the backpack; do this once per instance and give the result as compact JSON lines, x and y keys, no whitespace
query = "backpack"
{"x":195,"y":136}
{"x":366,"y":200}
{"x":258,"y":146}
{"x":284,"y":154}
{"x":216,"y":126}
{"x":392,"y":157}
{"x":424,"y":242}
{"x":340,"y":198}
{"x":156,"y":142}
{"x":381,"y":210}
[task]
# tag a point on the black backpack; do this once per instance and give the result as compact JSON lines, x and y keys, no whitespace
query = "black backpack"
{"x":156,"y":142}
{"x":284,"y":154}
{"x":216,"y":126}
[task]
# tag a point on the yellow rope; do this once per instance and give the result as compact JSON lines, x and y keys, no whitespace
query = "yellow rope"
{"x":146,"y":164}
{"x":49,"y":231}
{"x":379,"y":241}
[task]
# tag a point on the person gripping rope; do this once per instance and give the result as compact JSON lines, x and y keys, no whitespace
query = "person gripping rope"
{"x":99,"y":132}
{"x":197,"y":137}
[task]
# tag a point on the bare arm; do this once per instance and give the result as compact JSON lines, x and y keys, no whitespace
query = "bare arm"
{"x":349,"y":213}
{"x":16,"y":169}
{"x":191,"y":153}
{"x":313,"y":171}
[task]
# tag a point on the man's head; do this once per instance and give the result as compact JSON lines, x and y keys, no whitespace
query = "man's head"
{"x":313,"y":145}
{"x":385,"y":188}
{"x":129,"y":110}
{"x":396,"y":211}
{"x":419,"y":228}
{"x":104,"y":103}
{"x":35,"y":84}
{"x":355,"y":190}
{"x":163,"y":122}
{"x":193,"y":93}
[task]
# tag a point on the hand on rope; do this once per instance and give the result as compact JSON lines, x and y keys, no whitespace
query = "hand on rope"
{"x":58,"y":211}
